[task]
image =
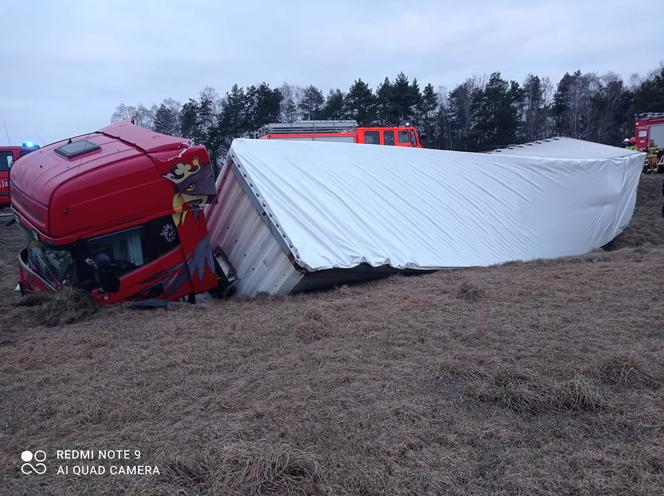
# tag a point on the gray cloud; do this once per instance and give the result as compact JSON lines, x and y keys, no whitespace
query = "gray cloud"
{"x":68,"y":64}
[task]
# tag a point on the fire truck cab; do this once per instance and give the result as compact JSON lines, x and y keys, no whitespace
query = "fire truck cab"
{"x":9,"y":155}
{"x":117,"y":212}
{"x":649,"y":126}
{"x":343,"y":131}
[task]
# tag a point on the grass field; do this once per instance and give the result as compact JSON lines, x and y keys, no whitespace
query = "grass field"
{"x":528,"y":378}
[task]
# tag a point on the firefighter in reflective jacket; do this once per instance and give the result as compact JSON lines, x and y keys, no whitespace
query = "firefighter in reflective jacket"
{"x":651,"y":157}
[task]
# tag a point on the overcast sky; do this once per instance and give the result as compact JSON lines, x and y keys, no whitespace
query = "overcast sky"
{"x":69,"y":64}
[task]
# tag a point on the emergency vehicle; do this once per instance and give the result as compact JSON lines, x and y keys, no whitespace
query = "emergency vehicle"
{"x":649,"y":126}
{"x":344,"y":131}
{"x":8,"y":155}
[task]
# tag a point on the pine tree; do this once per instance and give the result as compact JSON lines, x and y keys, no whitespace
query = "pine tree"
{"x":206,"y":119}
{"x":399,"y":100}
{"x":412,"y":104}
{"x":534,"y":115}
{"x":517,"y":97}
{"x":459,"y":112}
{"x":442,"y":137}
{"x":385,"y":104}
{"x":311,"y":103}
{"x":334,"y":106}
{"x":189,"y":119}
{"x":263,"y":106}
{"x":233,"y":122}
{"x":649,"y":96}
{"x":494,"y":114}
{"x":426,"y":111}
{"x":360,"y":103}
{"x":402,"y":96}
{"x":166,"y":121}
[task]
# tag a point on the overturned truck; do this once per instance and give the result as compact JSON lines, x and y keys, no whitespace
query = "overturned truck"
{"x":130,"y":214}
{"x":300,"y":216}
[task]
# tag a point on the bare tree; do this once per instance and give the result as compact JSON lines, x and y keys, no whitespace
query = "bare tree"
{"x":290,"y":104}
{"x":547,"y":98}
{"x":141,"y":115}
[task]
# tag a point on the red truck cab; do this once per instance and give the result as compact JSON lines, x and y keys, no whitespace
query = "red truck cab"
{"x":9,"y":155}
{"x":343,"y":131}
{"x":389,"y":136}
{"x":117,"y":212}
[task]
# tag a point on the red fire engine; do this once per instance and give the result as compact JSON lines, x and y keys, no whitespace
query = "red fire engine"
{"x":649,"y":126}
{"x":9,"y":155}
{"x":344,"y":131}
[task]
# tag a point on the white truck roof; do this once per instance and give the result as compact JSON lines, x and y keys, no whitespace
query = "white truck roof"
{"x":565,"y":148}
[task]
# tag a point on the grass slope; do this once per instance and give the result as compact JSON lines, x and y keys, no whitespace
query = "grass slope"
{"x":527,"y":378}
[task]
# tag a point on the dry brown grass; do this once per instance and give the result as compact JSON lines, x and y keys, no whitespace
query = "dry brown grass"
{"x":626,"y":370}
{"x":546,"y":381}
{"x":536,"y":395}
{"x":646,"y":227}
{"x":54,"y":308}
{"x":251,"y":468}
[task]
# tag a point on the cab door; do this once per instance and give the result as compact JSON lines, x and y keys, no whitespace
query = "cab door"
{"x":147,"y":261}
{"x":407,"y":137}
{"x":371,"y":137}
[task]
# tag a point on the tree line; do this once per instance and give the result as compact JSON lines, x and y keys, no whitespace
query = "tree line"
{"x":482,"y":113}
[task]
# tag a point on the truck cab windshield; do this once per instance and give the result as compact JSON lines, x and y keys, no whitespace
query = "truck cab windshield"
{"x":52,"y":263}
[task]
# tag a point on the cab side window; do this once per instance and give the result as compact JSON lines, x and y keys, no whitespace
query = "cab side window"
{"x":404,"y":137}
{"x":372,"y":137}
{"x":124,"y":249}
{"x":388,"y":137}
{"x":6,"y":160}
{"x":135,"y":247}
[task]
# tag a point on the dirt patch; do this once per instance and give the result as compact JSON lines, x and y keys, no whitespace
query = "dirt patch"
{"x":469,"y":291}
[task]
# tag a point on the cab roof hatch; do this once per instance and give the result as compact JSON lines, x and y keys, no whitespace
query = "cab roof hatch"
{"x":74,"y":149}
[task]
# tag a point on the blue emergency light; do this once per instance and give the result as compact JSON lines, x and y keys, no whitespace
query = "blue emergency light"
{"x":29,"y":144}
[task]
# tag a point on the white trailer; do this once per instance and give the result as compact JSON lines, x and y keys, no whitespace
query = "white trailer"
{"x":296,"y":216}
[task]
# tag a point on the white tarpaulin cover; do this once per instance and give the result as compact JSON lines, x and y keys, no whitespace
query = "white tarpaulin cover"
{"x":339,"y":205}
